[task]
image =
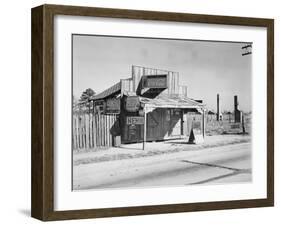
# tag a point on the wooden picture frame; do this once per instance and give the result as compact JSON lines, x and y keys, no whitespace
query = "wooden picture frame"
{"x":42,"y":203}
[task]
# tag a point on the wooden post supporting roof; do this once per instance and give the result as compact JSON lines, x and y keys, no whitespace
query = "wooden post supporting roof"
{"x":144,"y":129}
{"x":204,"y":123}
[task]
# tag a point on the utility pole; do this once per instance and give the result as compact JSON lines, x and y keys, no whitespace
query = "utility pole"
{"x":247,"y":49}
{"x":218,"y":107}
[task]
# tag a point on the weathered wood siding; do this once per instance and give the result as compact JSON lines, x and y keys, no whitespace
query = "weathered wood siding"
{"x":174,"y":87}
{"x":162,"y":124}
{"x":92,"y":130}
{"x":127,"y":86}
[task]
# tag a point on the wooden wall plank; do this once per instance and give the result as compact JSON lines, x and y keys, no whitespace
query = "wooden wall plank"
{"x":92,"y":130}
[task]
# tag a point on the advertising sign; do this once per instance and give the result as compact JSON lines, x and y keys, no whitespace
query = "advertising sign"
{"x":112,"y":106}
{"x":235,"y":125}
{"x":135,"y":120}
{"x":132,"y":103}
{"x":155,"y":81}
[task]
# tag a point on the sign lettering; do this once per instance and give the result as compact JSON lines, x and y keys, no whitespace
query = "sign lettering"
{"x":135,"y":120}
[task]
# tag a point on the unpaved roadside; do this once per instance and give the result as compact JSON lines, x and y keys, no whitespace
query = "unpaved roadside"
{"x":131,"y":151}
{"x":229,"y":163}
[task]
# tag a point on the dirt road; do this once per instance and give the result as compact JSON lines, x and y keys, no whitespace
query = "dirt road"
{"x":227,"y":164}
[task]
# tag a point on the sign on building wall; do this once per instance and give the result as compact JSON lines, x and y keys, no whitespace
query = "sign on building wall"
{"x":132,"y":103}
{"x":155,"y":81}
{"x":112,"y":106}
{"x":98,"y":102}
{"x":236,"y":125}
{"x":135,"y":120}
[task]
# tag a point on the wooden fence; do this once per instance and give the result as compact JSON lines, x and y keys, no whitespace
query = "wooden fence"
{"x":92,"y":130}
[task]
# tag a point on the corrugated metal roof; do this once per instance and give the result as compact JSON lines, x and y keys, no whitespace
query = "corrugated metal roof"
{"x":171,"y":102}
{"x":108,"y":92}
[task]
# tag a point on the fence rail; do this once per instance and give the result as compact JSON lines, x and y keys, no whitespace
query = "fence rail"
{"x":92,"y":130}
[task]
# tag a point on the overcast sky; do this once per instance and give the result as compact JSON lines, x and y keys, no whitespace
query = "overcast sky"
{"x":206,"y":68}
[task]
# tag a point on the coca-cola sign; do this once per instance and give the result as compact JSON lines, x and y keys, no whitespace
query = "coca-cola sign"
{"x":132,"y":103}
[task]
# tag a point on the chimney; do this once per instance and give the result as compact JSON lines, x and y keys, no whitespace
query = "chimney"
{"x":235,"y":103}
{"x":237,"y":113}
{"x":218,"y":107}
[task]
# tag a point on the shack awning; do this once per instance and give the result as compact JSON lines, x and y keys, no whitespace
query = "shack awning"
{"x":172,"y":102}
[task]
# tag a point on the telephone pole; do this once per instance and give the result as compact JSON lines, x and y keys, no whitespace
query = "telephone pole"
{"x":247,"y":49}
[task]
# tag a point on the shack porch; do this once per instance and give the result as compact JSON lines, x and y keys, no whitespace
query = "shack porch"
{"x":164,"y":117}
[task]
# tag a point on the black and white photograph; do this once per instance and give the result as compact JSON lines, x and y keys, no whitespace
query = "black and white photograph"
{"x":157,"y":112}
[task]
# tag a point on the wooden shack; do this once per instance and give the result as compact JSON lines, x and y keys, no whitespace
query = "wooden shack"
{"x":151,"y":106}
